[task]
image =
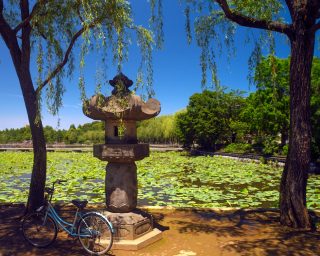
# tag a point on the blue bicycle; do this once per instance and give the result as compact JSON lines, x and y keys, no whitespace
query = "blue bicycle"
{"x":94,"y":231}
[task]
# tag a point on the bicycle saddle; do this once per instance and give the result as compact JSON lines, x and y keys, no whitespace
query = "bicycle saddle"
{"x":80,"y":203}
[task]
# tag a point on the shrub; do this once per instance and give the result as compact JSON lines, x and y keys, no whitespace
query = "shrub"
{"x":270,"y":146}
{"x":238,"y":148}
{"x":285,"y":150}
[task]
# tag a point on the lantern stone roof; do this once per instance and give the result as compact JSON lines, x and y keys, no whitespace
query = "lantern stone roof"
{"x":121,"y":104}
{"x":121,"y":84}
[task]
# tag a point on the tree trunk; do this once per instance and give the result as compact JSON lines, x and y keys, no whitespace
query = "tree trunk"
{"x":20,"y":54}
{"x":38,"y":177}
{"x":294,"y":178}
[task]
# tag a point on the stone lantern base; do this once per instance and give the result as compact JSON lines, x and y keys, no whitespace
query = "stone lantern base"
{"x":133,"y":230}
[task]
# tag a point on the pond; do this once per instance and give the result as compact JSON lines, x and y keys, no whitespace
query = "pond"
{"x":165,"y":179}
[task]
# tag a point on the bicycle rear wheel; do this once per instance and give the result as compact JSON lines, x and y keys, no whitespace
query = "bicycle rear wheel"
{"x":38,"y":230}
{"x":95,"y":234}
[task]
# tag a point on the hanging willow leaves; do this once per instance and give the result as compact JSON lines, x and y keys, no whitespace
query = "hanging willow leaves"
{"x":87,"y":25}
{"x":214,"y":32}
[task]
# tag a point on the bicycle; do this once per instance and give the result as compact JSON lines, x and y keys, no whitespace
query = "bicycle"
{"x":94,"y":231}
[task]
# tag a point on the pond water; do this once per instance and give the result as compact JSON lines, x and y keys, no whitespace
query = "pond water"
{"x":165,"y":179}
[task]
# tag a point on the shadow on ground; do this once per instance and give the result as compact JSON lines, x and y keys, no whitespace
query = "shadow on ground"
{"x":185,"y":232}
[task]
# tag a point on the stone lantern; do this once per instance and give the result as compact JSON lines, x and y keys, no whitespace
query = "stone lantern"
{"x":120,"y":112}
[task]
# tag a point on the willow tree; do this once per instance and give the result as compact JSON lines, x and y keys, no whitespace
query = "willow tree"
{"x":41,"y":35}
{"x":298,"y":21}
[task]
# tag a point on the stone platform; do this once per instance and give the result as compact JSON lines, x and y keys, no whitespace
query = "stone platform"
{"x":133,"y":230}
{"x":139,"y":243}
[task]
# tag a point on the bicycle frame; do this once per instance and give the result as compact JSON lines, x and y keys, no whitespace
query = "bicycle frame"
{"x":68,"y":227}
{"x":94,"y":231}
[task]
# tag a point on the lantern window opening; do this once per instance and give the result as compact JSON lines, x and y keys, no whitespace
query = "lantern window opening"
{"x":116,"y":131}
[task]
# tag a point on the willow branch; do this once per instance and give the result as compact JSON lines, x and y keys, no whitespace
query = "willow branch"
{"x":9,"y":38}
{"x":79,"y":15}
{"x":60,"y":66}
{"x":29,"y":18}
{"x":5,"y":29}
{"x":252,"y":22}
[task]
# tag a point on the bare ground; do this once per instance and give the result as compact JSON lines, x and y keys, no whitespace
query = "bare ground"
{"x":186,"y":232}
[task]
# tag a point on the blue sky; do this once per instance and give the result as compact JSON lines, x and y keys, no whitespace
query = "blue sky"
{"x":177,"y":73}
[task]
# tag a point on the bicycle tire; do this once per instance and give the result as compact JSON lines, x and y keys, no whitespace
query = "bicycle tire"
{"x":95,"y":233}
{"x":37,"y":232}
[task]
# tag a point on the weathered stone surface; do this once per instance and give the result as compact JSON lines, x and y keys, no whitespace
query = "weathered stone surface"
{"x":121,"y":152}
{"x":130,"y":107}
{"x":122,"y":104}
{"x":113,"y":136}
{"x":121,"y":111}
{"x":139,"y":243}
{"x":121,"y":187}
{"x":129,"y":226}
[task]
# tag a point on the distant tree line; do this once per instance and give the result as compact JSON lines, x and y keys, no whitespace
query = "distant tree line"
{"x":84,"y":134}
{"x":161,"y":129}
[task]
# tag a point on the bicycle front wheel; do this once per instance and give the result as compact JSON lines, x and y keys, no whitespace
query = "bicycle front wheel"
{"x":39,"y":230}
{"x":95,"y":234}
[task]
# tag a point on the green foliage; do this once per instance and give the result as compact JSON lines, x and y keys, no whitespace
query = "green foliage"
{"x":85,"y":134}
{"x":15,"y":135}
{"x":238,"y":148}
{"x":285,"y":150}
{"x":166,"y":179}
{"x":315,"y":108}
{"x":185,"y":131}
{"x":270,"y":146}
{"x":267,"y":110}
{"x":208,"y":118}
{"x":90,"y":133}
{"x":160,"y":129}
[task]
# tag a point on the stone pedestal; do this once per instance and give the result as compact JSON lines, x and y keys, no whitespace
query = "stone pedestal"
{"x":121,"y":187}
{"x":121,"y":173}
{"x":121,"y":153}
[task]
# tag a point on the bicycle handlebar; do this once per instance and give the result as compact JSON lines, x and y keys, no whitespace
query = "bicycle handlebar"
{"x":51,"y":190}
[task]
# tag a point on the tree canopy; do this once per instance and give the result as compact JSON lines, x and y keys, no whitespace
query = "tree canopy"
{"x":208,"y":118}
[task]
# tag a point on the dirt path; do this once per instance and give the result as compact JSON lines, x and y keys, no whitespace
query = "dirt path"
{"x":185,"y":233}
